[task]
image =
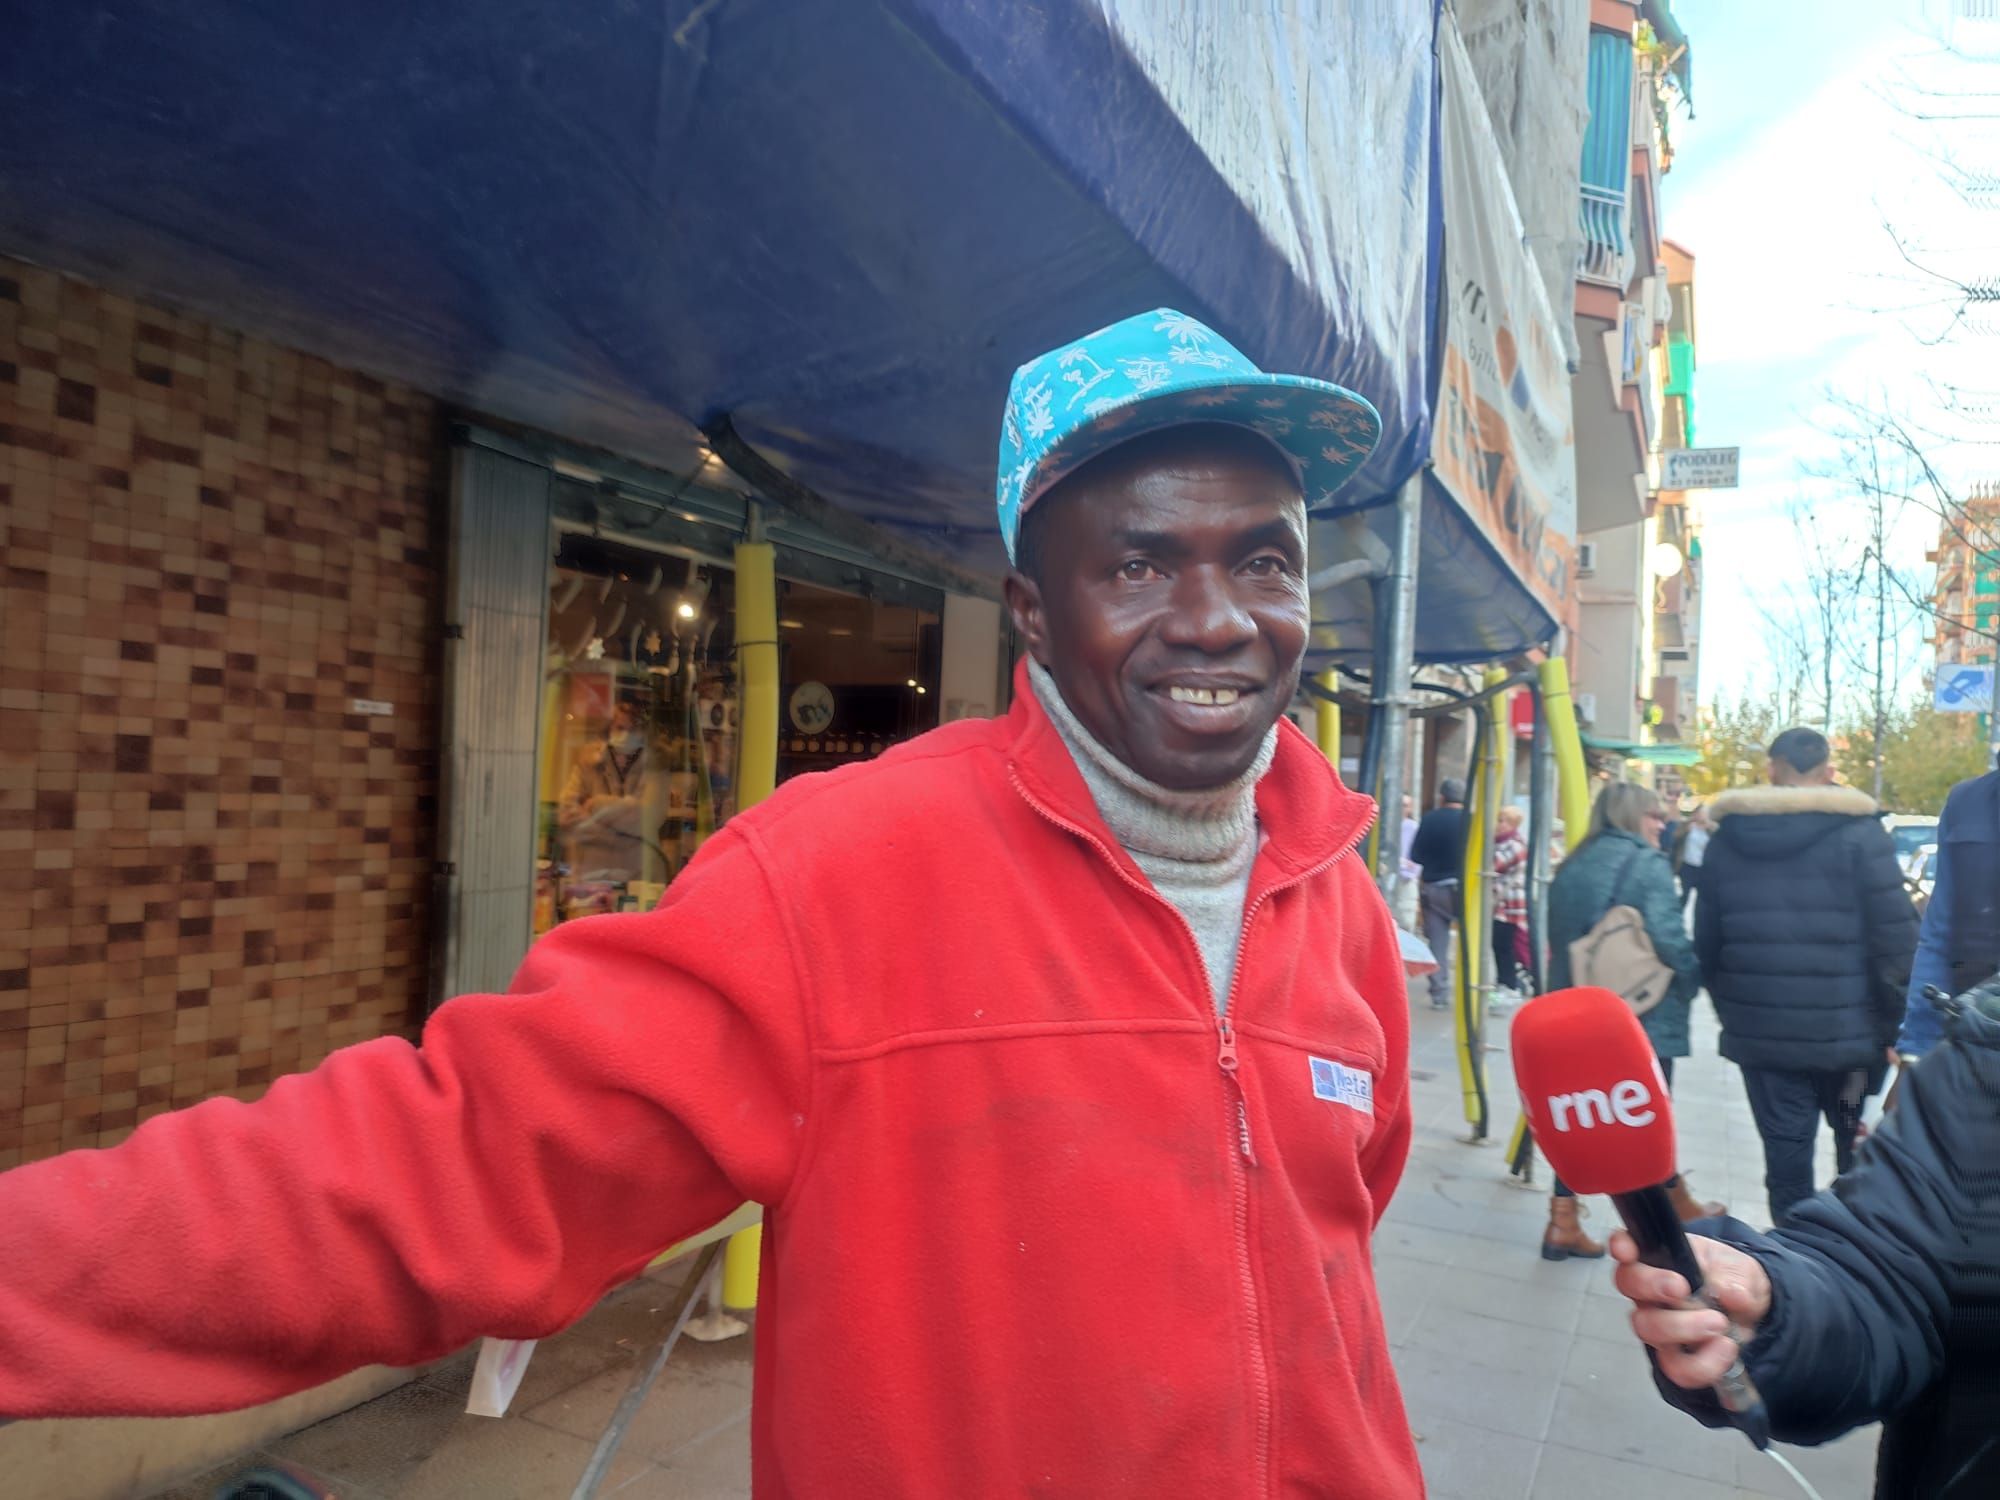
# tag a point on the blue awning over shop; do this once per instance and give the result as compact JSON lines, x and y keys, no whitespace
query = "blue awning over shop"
{"x":841,"y":226}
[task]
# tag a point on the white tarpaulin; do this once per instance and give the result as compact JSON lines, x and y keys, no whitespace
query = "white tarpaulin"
{"x":1532,"y":60}
{"x":1503,"y":443}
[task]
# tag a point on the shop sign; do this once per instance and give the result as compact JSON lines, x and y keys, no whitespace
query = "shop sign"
{"x":1699,"y":468}
{"x":1504,"y":447}
{"x":811,"y":707}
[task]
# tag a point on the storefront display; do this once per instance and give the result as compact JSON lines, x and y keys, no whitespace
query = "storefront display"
{"x":641,"y":710}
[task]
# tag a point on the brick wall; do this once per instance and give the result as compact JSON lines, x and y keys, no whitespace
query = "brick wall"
{"x":210,"y":872}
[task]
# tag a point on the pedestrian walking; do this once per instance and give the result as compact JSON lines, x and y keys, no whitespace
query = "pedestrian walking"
{"x":1805,"y":934}
{"x":1690,"y":846}
{"x":1409,"y":874}
{"x":1510,"y":901}
{"x":1070,"y":1163}
{"x":1958,"y":945}
{"x":1620,"y":864}
{"x":1439,"y":852}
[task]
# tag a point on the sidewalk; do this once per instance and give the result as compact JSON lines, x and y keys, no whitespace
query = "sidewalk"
{"x":1522,"y":1379}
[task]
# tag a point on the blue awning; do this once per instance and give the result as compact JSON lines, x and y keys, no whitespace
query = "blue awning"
{"x":841,"y":226}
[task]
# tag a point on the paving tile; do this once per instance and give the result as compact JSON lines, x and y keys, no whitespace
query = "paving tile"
{"x":1463,"y":1462}
{"x":1404,"y":1289}
{"x":690,"y":1400}
{"x":1445,"y":1386}
{"x":1842,"y":1470}
{"x":1548,"y":1302}
{"x":482,"y":1456}
{"x":377,"y":1445}
{"x":1539,"y":1354}
{"x":714,"y":1467}
{"x":1568,"y":1474}
{"x":1607,"y":1405}
{"x":1397,"y":1241}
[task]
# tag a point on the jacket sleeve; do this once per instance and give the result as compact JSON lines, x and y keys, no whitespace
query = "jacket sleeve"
{"x":1923,"y":1027}
{"x":1659,"y":904}
{"x":1889,"y":925}
{"x":644,"y":1076}
{"x":1707,"y":913}
{"x":1860,"y":1275}
{"x":1423,"y":843}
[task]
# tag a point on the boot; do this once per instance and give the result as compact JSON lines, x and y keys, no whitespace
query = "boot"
{"x":1689,"y":1207}
{"x":1564,"y":1238}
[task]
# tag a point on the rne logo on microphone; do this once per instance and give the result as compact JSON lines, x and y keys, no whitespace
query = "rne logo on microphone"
{"x":1628,"y":1103}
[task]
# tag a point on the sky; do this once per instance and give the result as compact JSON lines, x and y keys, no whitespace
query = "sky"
{"x":1802,"y":146}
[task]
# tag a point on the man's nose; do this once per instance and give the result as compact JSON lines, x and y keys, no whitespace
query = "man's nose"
{"x":1207,"y":614}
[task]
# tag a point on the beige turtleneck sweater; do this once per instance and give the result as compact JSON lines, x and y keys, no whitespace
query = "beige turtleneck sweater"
{"x":1196,"y":847}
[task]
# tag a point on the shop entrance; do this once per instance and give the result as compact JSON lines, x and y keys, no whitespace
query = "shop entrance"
{"x":641,"y":708}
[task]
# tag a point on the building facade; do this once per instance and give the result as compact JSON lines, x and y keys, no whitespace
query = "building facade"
{"x":244,"y":825}
{"x":1639,"y":591}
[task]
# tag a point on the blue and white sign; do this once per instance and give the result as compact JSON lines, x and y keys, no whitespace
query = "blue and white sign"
{"x":1964,"y":690}
{"x":1354,"y":1087}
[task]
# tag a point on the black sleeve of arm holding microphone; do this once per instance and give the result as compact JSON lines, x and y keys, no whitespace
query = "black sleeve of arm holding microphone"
{"x":1862,"y":1277}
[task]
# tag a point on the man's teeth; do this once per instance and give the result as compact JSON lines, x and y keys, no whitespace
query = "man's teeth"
{"x":1210,"y":697}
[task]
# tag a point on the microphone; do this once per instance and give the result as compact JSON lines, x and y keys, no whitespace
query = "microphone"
{"x":1591,"y":1086}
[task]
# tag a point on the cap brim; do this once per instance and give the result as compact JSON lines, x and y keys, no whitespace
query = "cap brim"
{"x":1325,"y":431}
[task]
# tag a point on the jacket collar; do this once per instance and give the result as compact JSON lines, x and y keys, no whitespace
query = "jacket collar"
{"x":1755,"y":800}
{"x":1306,"y":815}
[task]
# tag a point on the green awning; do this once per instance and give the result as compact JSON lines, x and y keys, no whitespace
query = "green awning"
{"x":1652,"y":755}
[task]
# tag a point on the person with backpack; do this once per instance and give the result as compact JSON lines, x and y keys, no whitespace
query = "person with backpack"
{"x":1806,"y":935}
{"x":1620,"y":866}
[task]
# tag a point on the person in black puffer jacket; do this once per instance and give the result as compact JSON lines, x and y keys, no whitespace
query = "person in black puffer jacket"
{"x":1805,"y":933}
{"x":1880,"y":1299}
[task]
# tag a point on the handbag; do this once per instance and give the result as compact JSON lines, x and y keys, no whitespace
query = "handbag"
{"x":1617,"y":953}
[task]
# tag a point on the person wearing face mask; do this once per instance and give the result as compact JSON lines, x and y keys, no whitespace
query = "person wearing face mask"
{"x":601,"y":802}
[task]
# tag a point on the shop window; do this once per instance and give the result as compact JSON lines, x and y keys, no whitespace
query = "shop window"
{"x":641,"y":711}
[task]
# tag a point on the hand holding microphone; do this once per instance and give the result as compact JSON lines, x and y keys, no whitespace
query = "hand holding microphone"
{"x":1696,"y":1344}
{"x":1591,"y":1086}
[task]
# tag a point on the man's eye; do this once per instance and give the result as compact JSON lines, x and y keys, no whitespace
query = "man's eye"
{"x":1270,"y":565}
{"x":1137,"y":570}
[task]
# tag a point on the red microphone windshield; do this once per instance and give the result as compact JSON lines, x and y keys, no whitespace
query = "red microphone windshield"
{"x":1590,"y":1083}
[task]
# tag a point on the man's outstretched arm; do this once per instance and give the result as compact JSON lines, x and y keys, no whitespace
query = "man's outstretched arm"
{"x":644,"y":1076}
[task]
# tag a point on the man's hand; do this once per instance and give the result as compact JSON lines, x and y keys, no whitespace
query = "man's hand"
{"x":1696,"y":1344}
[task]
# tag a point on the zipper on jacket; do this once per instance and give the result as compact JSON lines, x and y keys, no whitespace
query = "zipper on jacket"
{"x":1226,"y":1059}
{"x":1245,"y":1155}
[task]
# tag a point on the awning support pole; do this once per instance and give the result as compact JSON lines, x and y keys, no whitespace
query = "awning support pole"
{"x":1398,"y":596}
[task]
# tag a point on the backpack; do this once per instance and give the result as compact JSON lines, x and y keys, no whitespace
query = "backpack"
{"x":1617,"y":952}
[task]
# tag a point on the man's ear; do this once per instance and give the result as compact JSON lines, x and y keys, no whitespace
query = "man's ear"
{"x":1031,"y":620}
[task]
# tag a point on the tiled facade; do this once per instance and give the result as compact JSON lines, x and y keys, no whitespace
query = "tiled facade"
{"x":211,"y":872}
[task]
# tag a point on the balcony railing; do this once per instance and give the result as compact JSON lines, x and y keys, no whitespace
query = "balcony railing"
{"x":1606,"y":167}
{"x":1607,"y":254}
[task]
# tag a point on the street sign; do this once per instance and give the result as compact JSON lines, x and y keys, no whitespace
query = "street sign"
{"x":1964,"y":690}
{"x":1699,"y":468}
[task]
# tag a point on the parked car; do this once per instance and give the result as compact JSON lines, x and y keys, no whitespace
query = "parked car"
{"x":1911,"y":831}
{"x":1920,"y":874}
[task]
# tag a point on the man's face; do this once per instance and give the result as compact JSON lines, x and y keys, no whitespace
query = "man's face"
{"x":1172,"y":607}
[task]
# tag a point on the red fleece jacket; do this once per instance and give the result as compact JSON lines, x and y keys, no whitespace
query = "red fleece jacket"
{"x":1038,"y":1224}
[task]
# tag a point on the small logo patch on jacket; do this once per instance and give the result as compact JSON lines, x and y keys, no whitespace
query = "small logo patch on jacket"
{"x":1354,"y":1087}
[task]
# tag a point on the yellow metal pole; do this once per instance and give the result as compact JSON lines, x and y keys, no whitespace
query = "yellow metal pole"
{"x":1326,"y":721}
{"x":756,"y":777}
{"x":1470,"y":1011}
{"x":1572,"y":776}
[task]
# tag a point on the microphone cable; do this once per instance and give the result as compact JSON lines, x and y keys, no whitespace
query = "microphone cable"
{"x":1792,"y":1469}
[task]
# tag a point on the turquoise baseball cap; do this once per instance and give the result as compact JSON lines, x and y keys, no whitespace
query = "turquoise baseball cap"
{"x":1165,"y":369}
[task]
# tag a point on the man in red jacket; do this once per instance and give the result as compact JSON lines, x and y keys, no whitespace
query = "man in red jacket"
{"x":1067,"y":1053}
